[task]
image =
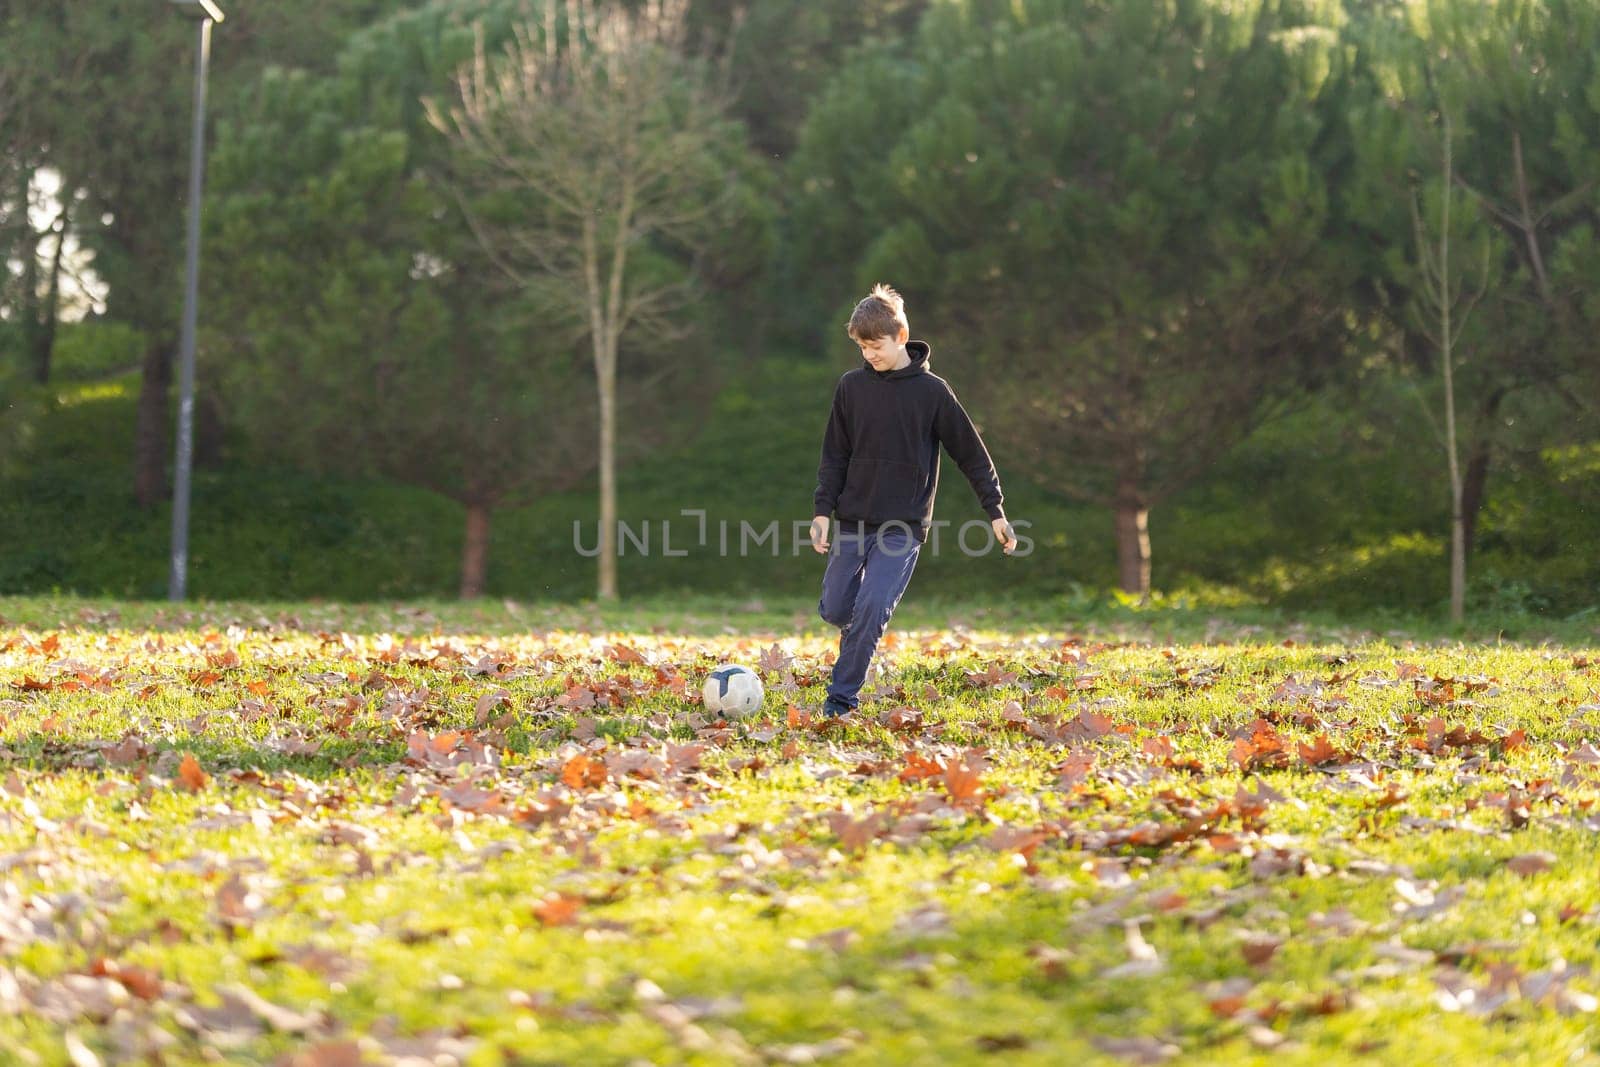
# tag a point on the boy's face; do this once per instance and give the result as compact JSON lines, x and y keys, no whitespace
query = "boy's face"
{"x":882,"y":352}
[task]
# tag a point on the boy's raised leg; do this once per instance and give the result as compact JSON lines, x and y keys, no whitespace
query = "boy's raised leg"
{"x":842,"y":580}
{"x":890,"y":557}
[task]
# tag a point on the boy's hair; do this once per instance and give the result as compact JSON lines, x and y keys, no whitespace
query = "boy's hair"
{"x":881,"y":314}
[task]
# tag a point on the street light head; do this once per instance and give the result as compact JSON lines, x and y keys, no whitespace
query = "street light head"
{"x":198,"y":9}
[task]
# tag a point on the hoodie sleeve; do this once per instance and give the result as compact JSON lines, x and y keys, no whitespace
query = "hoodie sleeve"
{"x":960,"y":438}
{"x":835,"y":457}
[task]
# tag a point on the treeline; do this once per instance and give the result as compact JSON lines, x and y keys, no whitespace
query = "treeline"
{"x":496,"y":248}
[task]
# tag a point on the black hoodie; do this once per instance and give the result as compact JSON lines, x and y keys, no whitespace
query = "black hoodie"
{"x":880,"y":453}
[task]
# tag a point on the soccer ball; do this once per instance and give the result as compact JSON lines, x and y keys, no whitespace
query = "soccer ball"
{"x":733,"y":691}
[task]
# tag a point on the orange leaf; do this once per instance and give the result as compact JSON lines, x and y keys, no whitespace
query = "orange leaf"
{"x":190,"y":775}
{"x":1320,"y":751}
{"x":962,"y":778}
{"x":581,"y":772}
{"x":557,"y":909}
{"x":142,"y":983}
{"x":918,"y":767}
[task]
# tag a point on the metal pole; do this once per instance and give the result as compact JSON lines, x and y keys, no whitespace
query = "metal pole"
{"x":191,"y":294}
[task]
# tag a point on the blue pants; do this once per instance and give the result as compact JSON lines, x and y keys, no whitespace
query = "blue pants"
{"x":866,"y":576}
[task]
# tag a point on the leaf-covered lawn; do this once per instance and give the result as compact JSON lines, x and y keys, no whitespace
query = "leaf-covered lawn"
{"x":285,"y":844}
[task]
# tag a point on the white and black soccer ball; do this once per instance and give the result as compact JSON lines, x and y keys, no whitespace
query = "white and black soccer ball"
{"x":733,"y":691}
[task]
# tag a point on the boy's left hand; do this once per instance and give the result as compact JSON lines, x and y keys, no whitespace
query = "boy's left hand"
{"x":1005,"y":535}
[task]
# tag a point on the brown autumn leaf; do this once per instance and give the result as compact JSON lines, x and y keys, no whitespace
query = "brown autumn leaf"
{"x":190,"y":774}
{"x":141,"y":982}
{"x":486,"y":703}
{"x":682,"y":758}
{"x":774,"y":658}
{"x":1022,"y":840}
{"x":624,"y":654}
{"x":127,"y":752}
{"x":237,"y":903}
{"x":222,"y":660}
{"x":855,"y":834}
{"x":557,"y":909}
{"x":919,"y":767}
{"x":994,"y":675}
{"x":1261,"y":748}
{"x":1228,"y":998}
{"x":1157,"y":749}
{"x":963,"y":777}
{"x":1259,"y":950}
{"x":577,"y":698}
{"x":324,"y":1054}
{"x":581,"y":772}
{"x":1321,"y":752}
{"x":1531,"y":863}
{"x":1087,"y":725}
{"x":902,"y":718}
{"x":1075,"y":769}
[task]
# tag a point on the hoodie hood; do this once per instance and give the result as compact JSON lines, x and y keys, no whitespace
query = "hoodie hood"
{"x":920,"y":353}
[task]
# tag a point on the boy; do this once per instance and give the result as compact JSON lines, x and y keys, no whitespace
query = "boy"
{"x":879,"y":472}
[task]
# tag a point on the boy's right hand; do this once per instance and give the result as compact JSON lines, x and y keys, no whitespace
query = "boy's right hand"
{"x":819,"y":533}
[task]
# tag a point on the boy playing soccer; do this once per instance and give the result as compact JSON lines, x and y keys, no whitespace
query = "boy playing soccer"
{"x":879,"y":473}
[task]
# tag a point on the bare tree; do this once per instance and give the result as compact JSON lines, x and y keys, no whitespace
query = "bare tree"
{"x":1442,"y":304}
{"x":608,"y":147}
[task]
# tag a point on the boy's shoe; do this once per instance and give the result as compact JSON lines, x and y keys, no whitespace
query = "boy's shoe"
{"x":833,"y":709}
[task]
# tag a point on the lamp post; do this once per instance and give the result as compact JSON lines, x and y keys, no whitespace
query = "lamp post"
{"x":205,"y":12}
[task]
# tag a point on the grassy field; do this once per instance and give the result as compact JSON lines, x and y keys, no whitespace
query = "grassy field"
{"x":484,"y":834}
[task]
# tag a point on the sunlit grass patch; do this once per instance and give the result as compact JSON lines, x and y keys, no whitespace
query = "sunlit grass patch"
{"x":274,"y":835}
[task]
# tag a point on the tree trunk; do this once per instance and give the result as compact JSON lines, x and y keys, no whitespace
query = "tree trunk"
{"x":44,"y":335}
{"x":475,"y":552}
{"x":1133,"y":540}
{"x":150,"y":432}
{"x":603,"y":333}
{"x":1458,"y":547}
{"x":608,"y":481}
{"x":28,"y":283}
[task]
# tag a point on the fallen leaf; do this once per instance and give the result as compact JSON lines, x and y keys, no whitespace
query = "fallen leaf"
{"x":1531,"y":863}
{"x":190,"y":776}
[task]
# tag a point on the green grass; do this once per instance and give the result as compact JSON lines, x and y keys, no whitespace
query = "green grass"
{"x":800,"y":892}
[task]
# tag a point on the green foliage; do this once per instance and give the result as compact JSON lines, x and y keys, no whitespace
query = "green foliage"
{"x":1110,"y":208}
{"x":340,"y":272}
{"x":1320,"y":513}
{"x":18,"y":410}
{"x":91,"y":350}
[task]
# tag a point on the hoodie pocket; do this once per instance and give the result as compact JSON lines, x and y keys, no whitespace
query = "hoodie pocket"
{"x":877,"y":490}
